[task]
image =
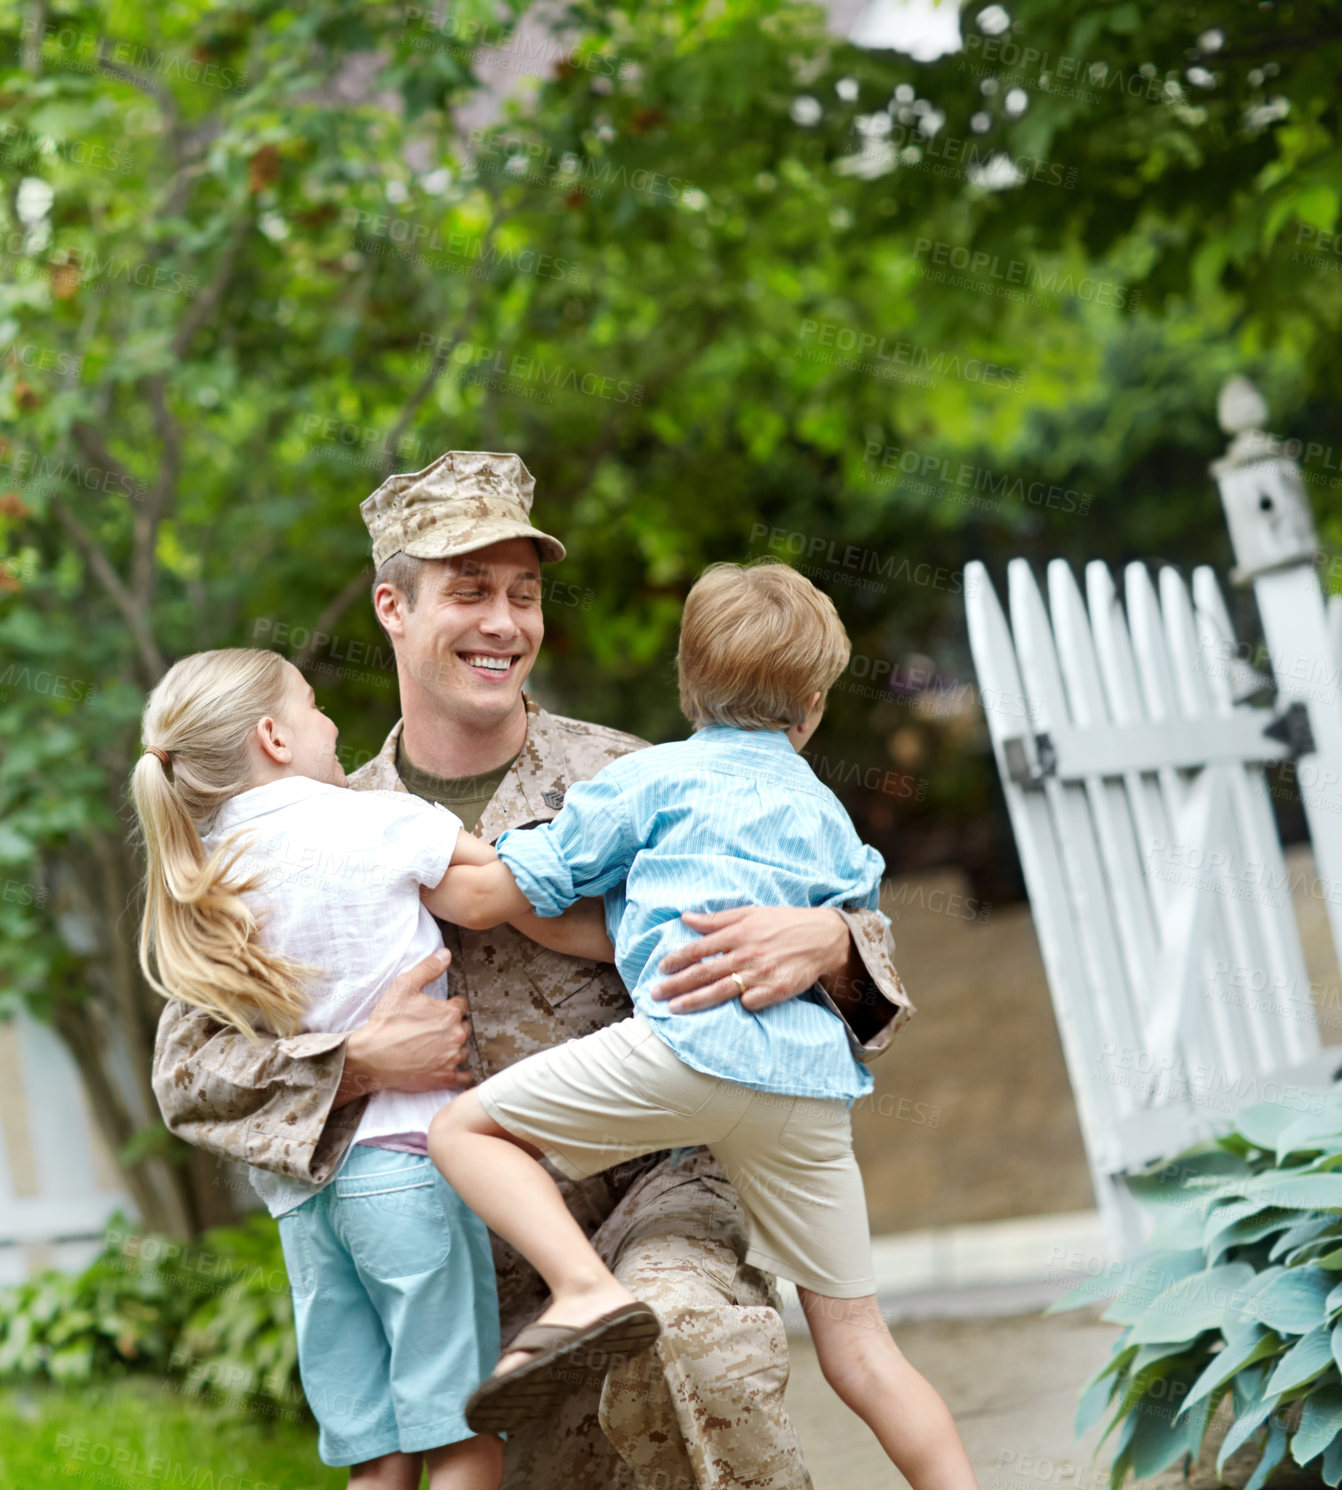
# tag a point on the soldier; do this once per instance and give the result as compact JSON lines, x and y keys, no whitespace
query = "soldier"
{"x":457,"y":589}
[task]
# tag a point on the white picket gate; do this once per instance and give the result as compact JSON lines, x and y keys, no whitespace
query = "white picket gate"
{"x":1134,"y":780}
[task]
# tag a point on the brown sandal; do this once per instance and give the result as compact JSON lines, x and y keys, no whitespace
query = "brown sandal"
{"x":563,"y":1359}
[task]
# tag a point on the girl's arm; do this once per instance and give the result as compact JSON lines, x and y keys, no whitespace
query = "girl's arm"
{"x":478,"y":892}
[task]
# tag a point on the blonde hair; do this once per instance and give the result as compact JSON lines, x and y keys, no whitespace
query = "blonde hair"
{"x":757,"y":642}
{"x":198,"y":940}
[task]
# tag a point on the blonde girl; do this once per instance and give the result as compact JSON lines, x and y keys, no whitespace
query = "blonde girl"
{"x":278,"y":899}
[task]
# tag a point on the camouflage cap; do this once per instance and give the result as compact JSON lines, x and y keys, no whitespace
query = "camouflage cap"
{"x":467,"y":499}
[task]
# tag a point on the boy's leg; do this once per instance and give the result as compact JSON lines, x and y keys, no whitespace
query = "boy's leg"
{"x":497,"y":1177}
{"x":473,"y":1464}
{"x":861,"y":1361}
{"x":791,"y":1162}
{"x":388,"y":1472}
{"x":590,"y":1104}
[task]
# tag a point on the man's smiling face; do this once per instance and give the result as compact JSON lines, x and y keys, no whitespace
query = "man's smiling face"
{"x":471,"y":638}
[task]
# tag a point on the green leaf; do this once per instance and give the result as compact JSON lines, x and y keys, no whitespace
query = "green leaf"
{"x":1306,"y":1359}
{"x":1199,"y":1420}
{"x":1147,"y":1276}
{"x":1318,"y":206}
{"x":1194,"y":1304}
{"x":1250,"y":1420}
{"x":1240,"y":1350}
{"x":1303,"y":1231}
{"x":1320,"y":1422}
{"x":1274,"y":1451}
{"x":1120,"y":1359}
{"x":1151,"y":1355}
{"x":1293,"y":1300}
{"x":1332,"y":1462}
{"x":1094,"y":1400}
{"x":1309,"y":1132}
{"x":1160,"y":1438}
{"x":1314,"y":1192}
{"x":1263,"y":1123}
{"x":1252,"y":1223}
{"x":1122,"y":1461}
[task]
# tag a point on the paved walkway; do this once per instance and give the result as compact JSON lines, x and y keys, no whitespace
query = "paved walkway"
{"x":965,"y":1305}
{"x":1012,"y":1385}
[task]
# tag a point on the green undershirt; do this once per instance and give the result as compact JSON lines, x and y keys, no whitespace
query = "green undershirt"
{"x":467,"y":796}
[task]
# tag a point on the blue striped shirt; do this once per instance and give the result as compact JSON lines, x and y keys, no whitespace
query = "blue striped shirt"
{"x":727,"y":818}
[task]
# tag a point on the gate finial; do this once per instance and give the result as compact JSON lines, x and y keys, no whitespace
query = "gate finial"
{"x":1242,"y":412}
{"x":1267,"y":507}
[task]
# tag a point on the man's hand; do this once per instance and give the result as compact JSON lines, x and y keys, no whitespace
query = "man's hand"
{"x":411,"y":1043}
{"x":779,"y":953}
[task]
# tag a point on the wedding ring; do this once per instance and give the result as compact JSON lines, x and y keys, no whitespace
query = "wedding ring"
{"x":740,"y":982}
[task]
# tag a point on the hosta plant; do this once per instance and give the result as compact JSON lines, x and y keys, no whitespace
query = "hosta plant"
{"x":213,"y":1317}
{"x":1237,"y":1296}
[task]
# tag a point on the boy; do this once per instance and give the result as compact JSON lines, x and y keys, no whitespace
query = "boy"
{"x":731,"y":816}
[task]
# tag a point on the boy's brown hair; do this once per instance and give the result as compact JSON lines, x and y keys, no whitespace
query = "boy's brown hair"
{"x":757,"y":641}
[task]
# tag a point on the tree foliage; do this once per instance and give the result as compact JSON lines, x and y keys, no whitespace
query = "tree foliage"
{"x":730,"y":285}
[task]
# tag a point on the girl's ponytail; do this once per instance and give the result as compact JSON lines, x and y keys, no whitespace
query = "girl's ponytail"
{"x":198,"y":939}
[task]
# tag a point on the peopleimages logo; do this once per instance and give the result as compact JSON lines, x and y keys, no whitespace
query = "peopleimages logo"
{"x":824,"y":557}
{"x":1018,"y":272}
{"x":470,"y":248}
{"x":897,"y":353}
{"x":518,"y":368}
{"x":1050,"y":70}
{"x":97,"y":272}
{"x":25,"y":466}
{"x":535,"y":162}
{"x":37,"y":358}
{"x":959,"y":155}
{"x":902,"y":460}
{"x":17,"y":141}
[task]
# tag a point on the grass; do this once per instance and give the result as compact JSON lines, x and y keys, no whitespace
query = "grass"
{"x":141,"y":1433}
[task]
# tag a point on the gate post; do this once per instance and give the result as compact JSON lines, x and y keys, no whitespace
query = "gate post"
{"x":1276,"y":549}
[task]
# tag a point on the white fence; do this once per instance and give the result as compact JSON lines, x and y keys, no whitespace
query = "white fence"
{"x":1134,"y":777}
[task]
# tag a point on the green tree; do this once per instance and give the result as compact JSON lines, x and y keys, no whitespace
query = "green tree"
{"x":732,"y":286}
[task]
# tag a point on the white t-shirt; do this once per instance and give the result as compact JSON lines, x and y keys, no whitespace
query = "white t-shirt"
{"x":341,"y":872}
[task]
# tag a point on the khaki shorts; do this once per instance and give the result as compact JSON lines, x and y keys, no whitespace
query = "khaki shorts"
{"x":595,"y":1102}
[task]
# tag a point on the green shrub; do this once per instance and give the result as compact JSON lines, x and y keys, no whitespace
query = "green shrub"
{"x":1238,"y":1294}
{"x":216,"y":1314}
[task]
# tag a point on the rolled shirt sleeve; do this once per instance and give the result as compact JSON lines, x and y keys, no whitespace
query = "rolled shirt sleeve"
{"x":890,"y":1006}
{"x":265,"y":1102}
{"x":586,"y":850}
{"x":883,"y":995}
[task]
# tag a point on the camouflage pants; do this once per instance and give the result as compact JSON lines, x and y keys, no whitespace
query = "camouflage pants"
{"x":704,"y":1410}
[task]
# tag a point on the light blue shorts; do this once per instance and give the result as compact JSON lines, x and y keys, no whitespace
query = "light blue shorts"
{"x":395,"y":1306}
